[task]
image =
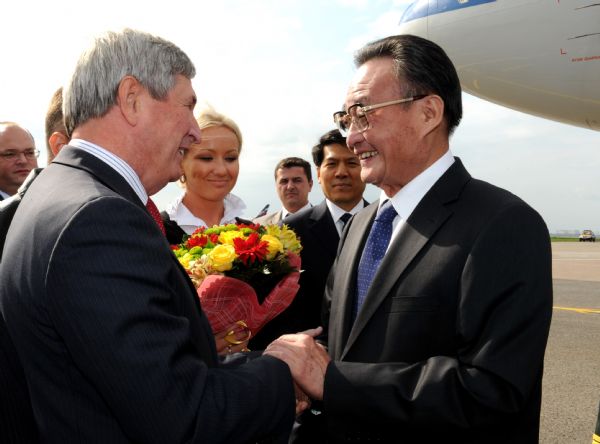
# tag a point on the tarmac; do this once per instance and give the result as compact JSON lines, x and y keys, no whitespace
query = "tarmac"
{"x":571,"y":385}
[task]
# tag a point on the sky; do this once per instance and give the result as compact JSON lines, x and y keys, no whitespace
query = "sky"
{"x":280,"y":68}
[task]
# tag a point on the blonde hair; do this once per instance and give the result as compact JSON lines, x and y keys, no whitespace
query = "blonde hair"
{"x":210,"y":117}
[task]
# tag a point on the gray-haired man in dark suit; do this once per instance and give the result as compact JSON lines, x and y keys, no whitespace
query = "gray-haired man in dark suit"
{"x":106,"y":322}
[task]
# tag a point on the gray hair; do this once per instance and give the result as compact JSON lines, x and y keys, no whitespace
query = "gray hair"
{"x":92,"y":89}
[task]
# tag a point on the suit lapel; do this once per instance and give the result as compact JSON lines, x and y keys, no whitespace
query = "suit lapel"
{"x":323,"y":228}
{"x":427,"y":218}
{"x":78,"y":158}
{"x":340,"y":317}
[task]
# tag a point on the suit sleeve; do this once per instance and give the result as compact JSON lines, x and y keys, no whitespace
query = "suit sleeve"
{"x":503,"y":318}
{"x":132,"y":326}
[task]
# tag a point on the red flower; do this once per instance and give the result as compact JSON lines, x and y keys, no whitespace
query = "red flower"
{"x":253,"y":227}
{"x":199,"y":230}
{"x":251,"y":249}
{"x":196,"y":241}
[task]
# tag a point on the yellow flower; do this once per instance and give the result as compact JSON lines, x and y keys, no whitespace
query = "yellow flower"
{"x":273,"y":230}
{"x":222,"y":257}
{"x":185,"y":260}
{"x":275,"y":245}
{"x":227,"y":237}
{"x":289,"y":240}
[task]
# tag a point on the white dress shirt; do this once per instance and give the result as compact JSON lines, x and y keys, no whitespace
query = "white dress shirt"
{"x":116,"y":163}
{"x":285,"y":213}
{"x":178,"y":212}
{"x":337,"y":212}
{"x":409,"y":196}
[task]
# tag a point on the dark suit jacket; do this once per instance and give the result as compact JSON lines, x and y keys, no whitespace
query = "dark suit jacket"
{"x":109,"y":329}
{"x":449,"y":344}
{"x":17,"y":424}
{"x":318,"y":235}
{"x":9,"y":206}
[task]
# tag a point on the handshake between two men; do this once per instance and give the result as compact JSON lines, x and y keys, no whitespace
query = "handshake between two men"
{"x":308,"y":362}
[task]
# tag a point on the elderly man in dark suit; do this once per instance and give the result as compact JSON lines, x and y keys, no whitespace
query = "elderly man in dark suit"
{"x":441,"y":296}
{"x":319,"y":229}
{"x":107,"y":324}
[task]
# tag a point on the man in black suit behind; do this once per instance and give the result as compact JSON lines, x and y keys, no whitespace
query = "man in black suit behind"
{"x":319,"y":229}
{"x":440,"y":298}
{"x":107,"y":324}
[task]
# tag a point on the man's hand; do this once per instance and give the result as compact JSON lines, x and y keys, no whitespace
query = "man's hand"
{"x":307,"y":359}
{"x":302,"y":400}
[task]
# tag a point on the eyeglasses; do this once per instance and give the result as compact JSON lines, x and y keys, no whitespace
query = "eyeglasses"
{"x":357,"y":114}
{"x":11,"y":155}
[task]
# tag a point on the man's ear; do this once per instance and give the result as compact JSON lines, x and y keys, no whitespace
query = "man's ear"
{"x":128,"y":98}
{"x":56,"y":141}
{"x":432,"y":112}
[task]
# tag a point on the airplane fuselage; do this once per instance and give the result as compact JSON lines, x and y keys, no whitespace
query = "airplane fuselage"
{"x":537,"y":56}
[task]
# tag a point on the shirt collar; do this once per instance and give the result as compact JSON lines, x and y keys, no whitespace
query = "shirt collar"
{"x":337,"y":212}
{"x":116,"y":163}
{"x":409,"y":196}
{"x":179,"y":213}
{"x":285,"y":213}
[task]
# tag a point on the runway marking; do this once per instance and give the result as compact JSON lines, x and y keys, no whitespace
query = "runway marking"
{"x":579,"y":310}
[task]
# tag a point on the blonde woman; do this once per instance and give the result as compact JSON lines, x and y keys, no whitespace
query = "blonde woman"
{"x":210,"y":171}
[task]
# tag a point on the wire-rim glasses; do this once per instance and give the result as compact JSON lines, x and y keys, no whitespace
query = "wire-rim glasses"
{"x":12,"y":155}
{"x":357,"y":114}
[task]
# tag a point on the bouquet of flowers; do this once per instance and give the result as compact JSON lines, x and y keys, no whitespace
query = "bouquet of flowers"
{"x":244,"y":273}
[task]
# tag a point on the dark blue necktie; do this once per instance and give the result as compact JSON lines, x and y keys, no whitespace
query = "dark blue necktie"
{"x":374,"y":250}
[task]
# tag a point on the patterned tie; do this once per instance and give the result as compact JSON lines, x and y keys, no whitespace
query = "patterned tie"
{"x":153,"y":210}
{"x":374,"y":250}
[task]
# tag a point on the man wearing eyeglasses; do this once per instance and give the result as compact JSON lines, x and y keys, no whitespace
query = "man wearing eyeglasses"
{"x":440,"y":298}
{"x":18,"y":157}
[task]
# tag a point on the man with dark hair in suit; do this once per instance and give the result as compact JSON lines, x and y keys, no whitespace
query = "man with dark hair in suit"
{"x":319,"y":229}
{"x":440,"y":298}
{"x":106,"y":322}
{"x":293,"y":181}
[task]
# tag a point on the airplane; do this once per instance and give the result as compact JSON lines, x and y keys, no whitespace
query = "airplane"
{"x":540,"y":57}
